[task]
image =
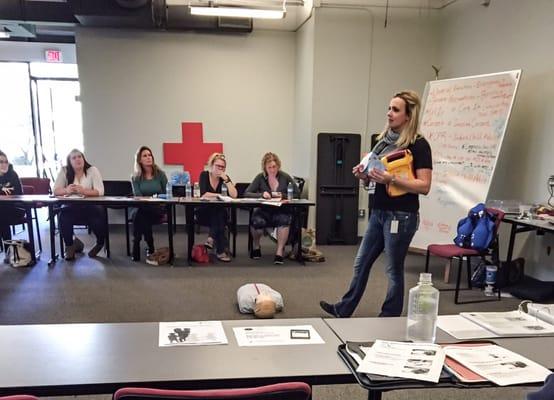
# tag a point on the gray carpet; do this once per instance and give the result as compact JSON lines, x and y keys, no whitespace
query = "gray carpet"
{"x":118,"y":290}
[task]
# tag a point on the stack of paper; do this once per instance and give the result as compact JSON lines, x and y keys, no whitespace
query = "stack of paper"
{"x":421,"y":361}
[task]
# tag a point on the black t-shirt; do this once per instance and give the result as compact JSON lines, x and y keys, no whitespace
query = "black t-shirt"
{"x":205,"y":185}
{"x":421,"y":151}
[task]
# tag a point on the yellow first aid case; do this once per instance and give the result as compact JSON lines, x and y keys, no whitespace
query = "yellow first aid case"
{"x":399,"y":163}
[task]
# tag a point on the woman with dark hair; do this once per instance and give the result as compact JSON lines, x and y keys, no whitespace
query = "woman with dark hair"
{"x":148,"y":179}
{"x":80,"y":179}
{"x":9,"y":186}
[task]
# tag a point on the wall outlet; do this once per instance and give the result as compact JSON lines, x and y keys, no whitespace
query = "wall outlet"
{"x":361,"y":213}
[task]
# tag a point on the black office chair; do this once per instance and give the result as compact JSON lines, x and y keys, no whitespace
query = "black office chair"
{"x":119,"y":189}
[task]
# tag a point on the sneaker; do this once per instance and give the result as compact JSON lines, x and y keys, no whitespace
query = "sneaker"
{"x":209,"y":243}
{"x":95,"y":250}
{"x":278,"y":260}
{"x":70,"y":252}
{"x":79,"y":246}
{"x":329,"y":308}
{"x":256,"y":254}
{"x":223,"y":257}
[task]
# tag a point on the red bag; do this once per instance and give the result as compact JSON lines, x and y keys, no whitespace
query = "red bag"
{"x":200,"y":254}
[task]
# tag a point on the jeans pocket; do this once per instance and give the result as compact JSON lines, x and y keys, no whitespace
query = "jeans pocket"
{"x":407,"y":222}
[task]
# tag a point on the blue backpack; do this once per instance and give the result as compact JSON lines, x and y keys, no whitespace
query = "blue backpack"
{"x":476,"y":231}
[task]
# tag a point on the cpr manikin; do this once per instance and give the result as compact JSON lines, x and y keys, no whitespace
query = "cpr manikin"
{"x":259,"y":299}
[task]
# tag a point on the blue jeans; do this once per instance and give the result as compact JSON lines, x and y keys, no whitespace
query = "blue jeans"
{"x":378,"y":237}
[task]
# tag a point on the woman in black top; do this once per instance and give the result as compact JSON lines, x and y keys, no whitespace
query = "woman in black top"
{"x":211,"y":183}
{"x":9,"y":186}
{"x":272,"y":182}
{"x":394,"y":219}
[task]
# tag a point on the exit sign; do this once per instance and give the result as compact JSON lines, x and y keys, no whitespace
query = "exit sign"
{"x":53,"y":56}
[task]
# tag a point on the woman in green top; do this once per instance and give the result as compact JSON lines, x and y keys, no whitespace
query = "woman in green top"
{"x":148,"y":179}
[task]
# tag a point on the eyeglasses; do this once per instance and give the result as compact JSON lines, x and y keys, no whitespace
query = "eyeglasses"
{"x":219,"y":166}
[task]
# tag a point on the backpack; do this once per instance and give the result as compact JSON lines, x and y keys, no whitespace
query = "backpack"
{"x":476,"y":231}
{"x":18,"y":253}
{"x":200,"y":254}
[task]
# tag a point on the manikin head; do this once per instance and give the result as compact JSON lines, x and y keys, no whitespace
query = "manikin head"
{"x":265,"y":307}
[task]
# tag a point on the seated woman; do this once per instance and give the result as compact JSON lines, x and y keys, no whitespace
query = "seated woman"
{"x":9,"y":186}
{"x":79,"y":178}
{"x":271,"y":182}
{"x":148,"y":179}
{"x":211,"y":182}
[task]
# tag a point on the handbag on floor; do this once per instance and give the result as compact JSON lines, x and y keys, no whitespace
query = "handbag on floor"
{"x":18,"y":253}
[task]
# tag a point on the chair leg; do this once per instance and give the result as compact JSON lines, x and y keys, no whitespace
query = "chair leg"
{"x":458,"y":279}
{"x":427,"y":262}
{"x":127,"y":232}
{"x":469,"y":286}
{"x":249,"y":231}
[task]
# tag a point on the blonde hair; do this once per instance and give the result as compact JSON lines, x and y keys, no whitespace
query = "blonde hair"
{"x":410,"y":131}
{"x":216,"y":156}
{"x":138,"y":171}
{"x":269,"y":157}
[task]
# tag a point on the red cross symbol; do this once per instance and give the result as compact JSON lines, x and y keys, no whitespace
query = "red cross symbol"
{"x":192,"y":153}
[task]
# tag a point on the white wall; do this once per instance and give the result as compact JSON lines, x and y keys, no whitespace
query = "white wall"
{"x":507,"y":35}
{"x":137,"y":87}
{"x":303,"y":110}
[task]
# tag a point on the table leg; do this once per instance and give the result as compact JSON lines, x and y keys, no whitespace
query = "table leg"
{"x":29,"y":220}
{"x":189,"y":220}
{"x":374,"y":395}
{"x":299,"y":223}
{"x":53,"y":255}
{"x":234,"y":228}
{"x":169,"y":208}
{"x":513,"y":232}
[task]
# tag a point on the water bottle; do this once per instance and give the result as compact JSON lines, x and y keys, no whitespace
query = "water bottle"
{"x":196,"y":190}
{"x":423,"y":308}
{"x":290,"y":191}
{"x":168,"y":190}
{"x":490,"y":279}
{"x":224,"y":191}
{"x":188,"y":190}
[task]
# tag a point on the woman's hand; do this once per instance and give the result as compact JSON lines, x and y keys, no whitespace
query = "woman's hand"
{"x":266,"y":195}
{"x":358,"y":172}
{"x":7,"y":190}
{"x":379,"y":176}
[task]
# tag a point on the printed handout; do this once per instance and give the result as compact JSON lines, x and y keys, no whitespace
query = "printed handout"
{"x":511,"y":323}
{"x":277,"y":335}
{"x":421,"y":361}
{"x":191,"y":333}
{"x":499,"y":365}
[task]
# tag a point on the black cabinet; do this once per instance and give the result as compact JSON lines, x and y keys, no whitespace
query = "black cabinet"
{"x":337,"y":188}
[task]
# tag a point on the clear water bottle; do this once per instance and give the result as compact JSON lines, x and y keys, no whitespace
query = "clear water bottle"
{"x":290,"y":191}
{"x":224,"y":191}
{"x":188,"y":190}
{"x":196,"y":190}
{"x":168,"y":190}
{"x":423,"y":308}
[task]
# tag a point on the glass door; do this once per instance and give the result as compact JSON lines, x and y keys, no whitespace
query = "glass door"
{"x":17,"y":138}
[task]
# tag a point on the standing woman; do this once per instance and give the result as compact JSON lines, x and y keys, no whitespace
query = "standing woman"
{"x":211,"y":182}
{"x":148,"y":179}
{"x":79,"y":178}
{"x":271,"y":182}
{"x":9,"y":186}
{"x":394,"y":220}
